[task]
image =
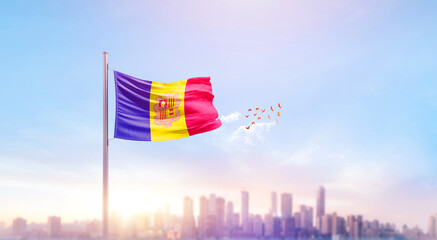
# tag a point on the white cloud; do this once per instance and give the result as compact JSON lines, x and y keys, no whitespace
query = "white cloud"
{"x":247,"y":136}
{"x":231,"y":117}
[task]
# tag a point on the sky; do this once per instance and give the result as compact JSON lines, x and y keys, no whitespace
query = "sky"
{"x":356,"y":81}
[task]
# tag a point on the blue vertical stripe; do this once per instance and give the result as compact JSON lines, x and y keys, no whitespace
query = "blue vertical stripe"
{"x":132,"y":116}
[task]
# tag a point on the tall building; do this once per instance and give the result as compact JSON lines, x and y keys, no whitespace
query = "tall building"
{"x":274,"y":204}
{"x":358,"y":227}
{"x":268,"y":225}
{"x":19,"y":226}
{"x":350,"y":225}
{"x":326,"y":228}
{"x":286,"y":206}
{"x":203,"y":215}
{"x":211,"y":226}
{"x":211,"y":220}
{"x":320,"y":206}
{"x":245,"y":211}
{"x":272,"y":226}
{"x":306,"y":217}
{"x":277,"y":227}
{"x":54,"y":226}
{"x":220,"y":213}
{"x":374,"y":224}
{"x":258,"y":226}
{"x":334,"y":224}
{"x":249,"y":229}
{"x":288,"y":227}
{"x":212,"y":203}
{"x":297,"y":216}
{"x":355,"y":226}
{"x":236,"y":221}
{"x":432,"y":228}
{"x":338,"y":225}
{"x":188,"y":225}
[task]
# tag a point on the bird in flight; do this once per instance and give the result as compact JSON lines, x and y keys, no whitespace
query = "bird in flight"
{"x":250,"y":110}
{"x":279,"y":105}
{"x":256,"y":109}
{"x":253,"y":123}
{"x":255,"y":114}
{"x":247,"y":127}
{"x":247,"y":116}
{"x":263,"y":110}
{"x":279,"y":114}
{"x":269,"y":117}
{"x":259,"y":118}
{"x":276,"y":121}
{"x":272,"y":108}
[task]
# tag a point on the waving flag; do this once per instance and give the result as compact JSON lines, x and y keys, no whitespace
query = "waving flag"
{"x":153,"y":111}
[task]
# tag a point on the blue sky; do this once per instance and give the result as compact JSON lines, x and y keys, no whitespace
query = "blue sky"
{"x":357,"y":82}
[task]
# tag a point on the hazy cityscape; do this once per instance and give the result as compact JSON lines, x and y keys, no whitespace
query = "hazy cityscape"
{"x":217,"y":219}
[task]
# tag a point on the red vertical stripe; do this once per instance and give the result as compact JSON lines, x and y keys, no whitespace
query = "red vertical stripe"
{"x":200,"y":114}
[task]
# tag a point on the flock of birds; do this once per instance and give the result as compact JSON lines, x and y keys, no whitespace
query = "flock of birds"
{"x":258,"y":117}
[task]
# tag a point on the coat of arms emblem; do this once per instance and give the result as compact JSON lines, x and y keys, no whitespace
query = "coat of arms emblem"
{"x":166,"y":109}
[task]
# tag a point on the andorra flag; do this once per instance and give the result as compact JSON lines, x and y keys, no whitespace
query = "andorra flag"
{"x":153,"y":111}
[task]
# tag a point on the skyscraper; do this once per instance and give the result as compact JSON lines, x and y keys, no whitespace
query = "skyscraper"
{"x":258,"y":226}
{"x":306,"y":217}
{"x":274,"y":204}
{"x":326,"y":225}
{"x":211,"y":226}
{"x":203,"y":215}
{"x":19,"y":226}
{"x":338,"y":225}
{"x":188,"y":225}
{"x":350,"y":224}
{"x":297,"y":216}
{"x":432,"y":226}
{"x":355,"y":226}
{"x":320,"y":206}
{"x":358,"y":227}
{"x":245,"y":211}
{"x":236,"y":221}
{"x":220,"y":213}
{"x":286,"y":206}
{"x":288,"y":227}
{"x":229,"y":217}
{"x":212,"y":203}
{"x":334,"y":224}
{"x":54,"y":226}
{"x":268,"y":225}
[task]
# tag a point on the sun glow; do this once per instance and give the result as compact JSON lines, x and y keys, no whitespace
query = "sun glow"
{"x":129,"y":204}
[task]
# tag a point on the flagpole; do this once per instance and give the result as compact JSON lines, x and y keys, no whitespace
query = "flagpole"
{"x":105,"y":145}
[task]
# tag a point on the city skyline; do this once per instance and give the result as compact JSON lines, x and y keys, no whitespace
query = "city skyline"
{"x":216,"y":220}
{"x":285,"y":202}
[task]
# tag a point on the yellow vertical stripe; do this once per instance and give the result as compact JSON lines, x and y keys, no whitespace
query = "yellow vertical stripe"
{"x":168,"y":128}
